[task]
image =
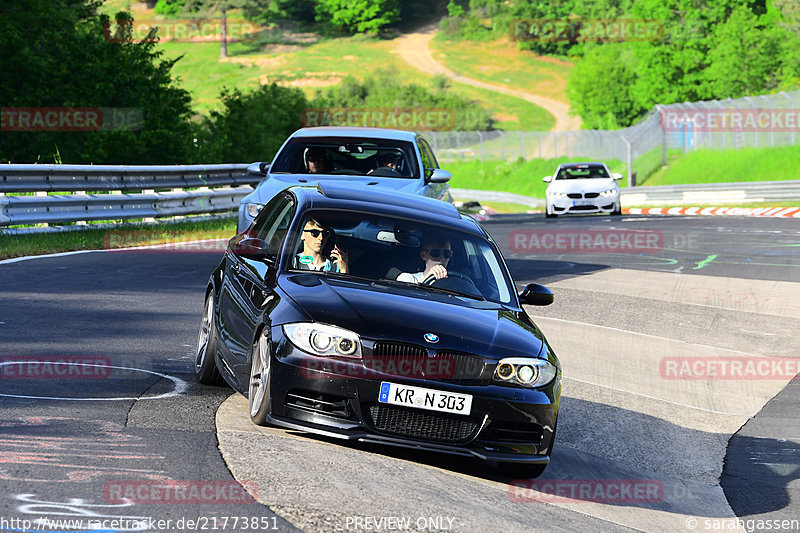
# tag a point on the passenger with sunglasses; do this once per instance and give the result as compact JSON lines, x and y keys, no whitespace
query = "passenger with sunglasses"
{"x":436,"y":254}
{"x":315,"y":235}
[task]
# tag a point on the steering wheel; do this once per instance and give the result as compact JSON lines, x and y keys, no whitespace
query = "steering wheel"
{"x":387,"y":172}
{"x":350,"y":171}
{"x":430,"y":278}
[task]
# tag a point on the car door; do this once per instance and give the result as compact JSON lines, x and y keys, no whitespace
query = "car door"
{"x":429,"y":164}
{"x":248,"y":288}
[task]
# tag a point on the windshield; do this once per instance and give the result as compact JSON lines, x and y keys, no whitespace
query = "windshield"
{"x":344,"y":156}
{"x":582,"y":172}
{"x":399,"y":253}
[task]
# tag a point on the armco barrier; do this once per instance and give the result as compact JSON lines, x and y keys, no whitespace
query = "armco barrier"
{"x":713,"y":193}
{"x":125,"y":192}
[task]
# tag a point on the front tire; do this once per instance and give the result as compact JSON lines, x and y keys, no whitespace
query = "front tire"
{"x":259,"y":399}
{"x":617,"y":212}
{"x":548,"y":213}
{"x":205,"y":368}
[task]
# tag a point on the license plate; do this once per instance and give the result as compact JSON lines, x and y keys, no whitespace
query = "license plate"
{"x":433,"y":400}
{"x":582,"y":202}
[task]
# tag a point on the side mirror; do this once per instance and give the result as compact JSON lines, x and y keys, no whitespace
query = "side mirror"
{"x":439,"y":176}
{"x":535,"y":294}
{"x":249,"y":247}
{"x":258,"y":169}
{"x":547,"y":179}
{"x":616,"y":176}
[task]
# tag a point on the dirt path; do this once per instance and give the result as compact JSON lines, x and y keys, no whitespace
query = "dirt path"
{"x":414,"y":49}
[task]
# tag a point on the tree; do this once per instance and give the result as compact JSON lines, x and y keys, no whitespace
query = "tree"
{"x":748,"y":56}
{"x":600,"y":87}
{"x":86,"y":63}
{"x":251,"y":126}
{"x":251,"y":7}
{"x":358,"y":16}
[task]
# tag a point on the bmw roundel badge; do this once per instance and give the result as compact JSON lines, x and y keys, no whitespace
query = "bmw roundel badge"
{"x":431,"y":338}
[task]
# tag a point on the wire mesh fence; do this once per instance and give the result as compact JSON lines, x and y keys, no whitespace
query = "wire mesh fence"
{"x":762,"y":121}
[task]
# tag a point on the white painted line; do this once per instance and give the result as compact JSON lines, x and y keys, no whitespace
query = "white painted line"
{"x":75,"y":252}
{"x":656,"y":399}
{"x":646,"y":335}
{"x":60,"y":254}
{"x":180,"y":386}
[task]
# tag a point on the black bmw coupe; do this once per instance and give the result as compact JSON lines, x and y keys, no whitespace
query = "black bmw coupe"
{"x":384,"y":318}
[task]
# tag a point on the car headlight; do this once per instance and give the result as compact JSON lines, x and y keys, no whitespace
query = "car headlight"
{"x":253,"y":209}
{"x":526,"y":371}
{"x":610,"y":193}
{"x":321,"y":339}
{"x":558,"y":195}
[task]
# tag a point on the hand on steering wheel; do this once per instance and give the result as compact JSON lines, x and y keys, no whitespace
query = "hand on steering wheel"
{"x":436,"y":272}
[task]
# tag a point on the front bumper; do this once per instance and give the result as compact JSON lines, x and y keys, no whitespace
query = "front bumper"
{"x":506,"y":424}
{"x":596,"y":205}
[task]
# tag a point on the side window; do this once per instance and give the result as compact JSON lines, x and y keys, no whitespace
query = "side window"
{"x":428,"y":161}
{"x":427,"y":156}
{"x":273,"y":226}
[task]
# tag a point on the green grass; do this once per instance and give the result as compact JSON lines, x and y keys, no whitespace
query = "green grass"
{"x":729,"y":166}
{"x":502,"y":63}
{"x":321,"y":64}
{"x":122,"y":237}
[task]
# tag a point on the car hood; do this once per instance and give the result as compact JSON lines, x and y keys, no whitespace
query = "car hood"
{"x":406,"y":314}
{"x":275,"y":183}
{"x":582,"y":185}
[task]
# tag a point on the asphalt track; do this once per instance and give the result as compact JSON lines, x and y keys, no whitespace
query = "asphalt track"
{"x":707,"y":288}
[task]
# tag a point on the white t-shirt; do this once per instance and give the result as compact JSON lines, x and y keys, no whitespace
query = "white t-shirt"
{"x":411,"y":278}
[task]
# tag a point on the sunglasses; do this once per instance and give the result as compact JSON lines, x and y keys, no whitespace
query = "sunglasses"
{"x":316,"y":232}
{"x":436,"y":252}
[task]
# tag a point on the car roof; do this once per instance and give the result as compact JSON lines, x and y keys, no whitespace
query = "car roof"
{"x":336,"y":195}
{"x":354,"y":132}
{"x":578,"y":165}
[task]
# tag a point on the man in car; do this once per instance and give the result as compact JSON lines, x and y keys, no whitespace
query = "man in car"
{"x":315,"y":235}
{"x":317,"y":161}
{"x":387,"y":162}
{"x":436,"y":253}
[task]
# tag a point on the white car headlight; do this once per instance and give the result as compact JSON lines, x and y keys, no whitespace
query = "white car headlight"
{"x":253,"y":209}
{"x":557,"y":195}
{"x":610,"y":193}
{"x":525,"y":371}
{"x":321,"y":339}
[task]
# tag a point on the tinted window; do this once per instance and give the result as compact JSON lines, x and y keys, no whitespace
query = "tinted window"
{"x":582,"y":172}
{"x":273,"y":221}
{"x":381,"y":249}
{"x":346,"y":156}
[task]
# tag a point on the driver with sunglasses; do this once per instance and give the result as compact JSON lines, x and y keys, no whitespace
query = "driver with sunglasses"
{"x":436,"y":254}
{"x":313,"y":238}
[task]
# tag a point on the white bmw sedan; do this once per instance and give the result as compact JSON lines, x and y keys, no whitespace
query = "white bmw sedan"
{"x":582,"y":188}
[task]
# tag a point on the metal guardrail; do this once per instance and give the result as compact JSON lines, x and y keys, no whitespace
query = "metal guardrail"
{"x":668,"y":195}
{"x":220,"y":187}
{"x":126,"y":192}
{"x":713,"y":193}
